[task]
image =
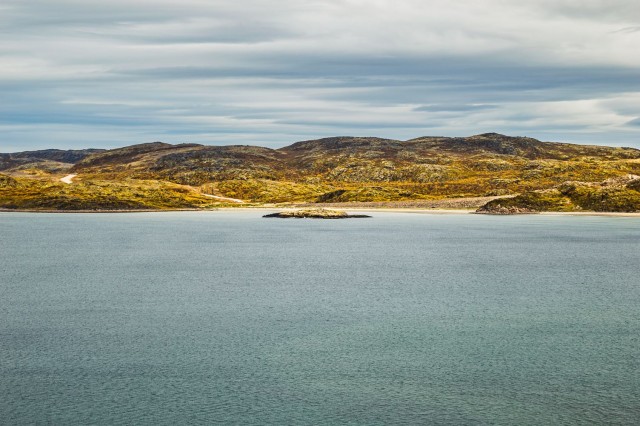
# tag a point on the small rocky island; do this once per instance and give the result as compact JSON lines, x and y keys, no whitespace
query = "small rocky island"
{"x":315,"y":214}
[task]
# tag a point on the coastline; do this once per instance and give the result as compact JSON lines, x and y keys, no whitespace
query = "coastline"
{"x":613,"y":214}
{"x":101,"y":211}
{"x":433,"y":211}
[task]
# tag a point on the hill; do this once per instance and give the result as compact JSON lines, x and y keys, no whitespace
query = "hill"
{"x":331,"y":170}
{"x":620,"y":194}
{"x":48,"y":159}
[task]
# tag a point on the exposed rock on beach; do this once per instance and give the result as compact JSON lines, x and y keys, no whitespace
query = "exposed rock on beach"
{"x":499,"y":209}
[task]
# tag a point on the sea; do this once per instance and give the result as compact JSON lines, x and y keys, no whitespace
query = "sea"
{"x":226,"y":317}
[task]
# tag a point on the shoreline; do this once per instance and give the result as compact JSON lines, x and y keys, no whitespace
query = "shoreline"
{"x":433,"y":211}
{"x":101,"y":211}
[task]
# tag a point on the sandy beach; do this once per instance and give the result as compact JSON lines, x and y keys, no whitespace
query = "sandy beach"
{"x":347,"y":209}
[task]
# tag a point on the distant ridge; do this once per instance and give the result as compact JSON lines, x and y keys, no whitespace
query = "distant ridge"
{"x":50,"y":159}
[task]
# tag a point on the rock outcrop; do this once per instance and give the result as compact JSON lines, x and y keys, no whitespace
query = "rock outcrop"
{"x":619,"y":194}
{"x":315,"y":214}
{"x":499,"y":209}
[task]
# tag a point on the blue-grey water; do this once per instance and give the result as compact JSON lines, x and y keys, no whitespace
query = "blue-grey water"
{"x":225,"y":317}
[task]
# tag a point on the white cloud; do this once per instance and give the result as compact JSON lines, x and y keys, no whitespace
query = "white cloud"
{"x":267,"y":72}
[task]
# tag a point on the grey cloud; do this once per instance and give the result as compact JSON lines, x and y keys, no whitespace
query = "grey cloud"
{"x":359,"y":127}
{"x":597,"y":10}
{"x":269,"y":72}
{"x":627,"y":30}
{"x":454,"y":107}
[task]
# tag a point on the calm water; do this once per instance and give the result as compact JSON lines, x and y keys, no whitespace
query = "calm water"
{"x":400,"y":319}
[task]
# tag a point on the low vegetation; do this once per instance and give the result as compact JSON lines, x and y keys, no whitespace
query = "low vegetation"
{"x":539,"y":176}
{"x":613,"y":195}
{"x":37,"y":194}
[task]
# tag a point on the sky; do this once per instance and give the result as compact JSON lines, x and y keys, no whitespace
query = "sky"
{"x":83,"y":73}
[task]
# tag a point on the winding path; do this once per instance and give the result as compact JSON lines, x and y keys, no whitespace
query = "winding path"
{"x":68,"y":179}
{"x":217,"y":197}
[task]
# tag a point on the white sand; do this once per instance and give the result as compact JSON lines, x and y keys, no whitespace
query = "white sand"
{"x":217,"y":197}
{"x":431,"y":211}
{"x":68,"y":179}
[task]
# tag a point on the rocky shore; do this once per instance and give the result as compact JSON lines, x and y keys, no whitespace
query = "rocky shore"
{"x":499,"y":209}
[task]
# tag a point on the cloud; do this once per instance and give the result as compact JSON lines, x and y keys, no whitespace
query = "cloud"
{"x":77,"y":73}
{"x":627,"y":30}
{"x":454,"y":107}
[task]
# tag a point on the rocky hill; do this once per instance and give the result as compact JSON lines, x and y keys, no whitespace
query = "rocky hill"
{"x":620,"y":194}
{"x":339,"y":169}
{"x":48,"y":159}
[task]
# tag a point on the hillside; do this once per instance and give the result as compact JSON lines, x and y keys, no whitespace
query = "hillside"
{"x":48,"y":159}
{"x":620,"y":194}
{"x":329,"y":170}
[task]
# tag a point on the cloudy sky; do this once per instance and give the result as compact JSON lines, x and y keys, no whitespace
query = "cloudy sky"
{"x":81,"y":73}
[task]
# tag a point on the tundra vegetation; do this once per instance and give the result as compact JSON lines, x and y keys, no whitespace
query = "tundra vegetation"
{"x":521,"y":173}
